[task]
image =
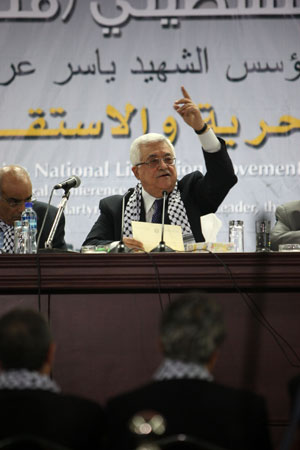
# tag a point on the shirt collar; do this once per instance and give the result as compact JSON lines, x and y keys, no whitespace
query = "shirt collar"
{"x":148,"y":200}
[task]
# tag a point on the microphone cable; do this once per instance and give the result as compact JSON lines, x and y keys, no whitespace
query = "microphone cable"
{"x":156,"y":272}
{"x":39,"y":280}
{"x":44,"y":220}
{"x":259,"y":316}
{"x":38,"y":261}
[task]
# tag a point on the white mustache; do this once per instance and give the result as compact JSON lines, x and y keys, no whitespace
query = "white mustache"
{"x":162,"y":173}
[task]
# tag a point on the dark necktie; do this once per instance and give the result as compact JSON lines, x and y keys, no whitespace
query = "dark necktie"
{"x":156,"y":218}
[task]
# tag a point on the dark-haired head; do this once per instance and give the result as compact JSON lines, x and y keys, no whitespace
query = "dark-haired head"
{"x":25,"y":340}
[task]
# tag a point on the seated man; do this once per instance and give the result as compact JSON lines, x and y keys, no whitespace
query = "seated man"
{"x":183,"y":390}
{"x":153,"y":163}
{"x":15,"y":190}
{"x":31,"y":403}
{"x":287,"y":227}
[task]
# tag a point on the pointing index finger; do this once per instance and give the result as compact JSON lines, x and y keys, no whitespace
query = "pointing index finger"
{"x":185,"y":93}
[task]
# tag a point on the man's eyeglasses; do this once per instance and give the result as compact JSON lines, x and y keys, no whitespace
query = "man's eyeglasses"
{"x":155,"y":162}
{"x":13,"y":202}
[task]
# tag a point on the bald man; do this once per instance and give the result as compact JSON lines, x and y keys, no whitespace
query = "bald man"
{"x":15,"y":190}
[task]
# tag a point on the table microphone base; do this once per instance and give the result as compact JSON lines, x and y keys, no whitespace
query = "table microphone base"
{"x":120,"y":248}
{"x":55,"y":250}
{"x":162,"y":247}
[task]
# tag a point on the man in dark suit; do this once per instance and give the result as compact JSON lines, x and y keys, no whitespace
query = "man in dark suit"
{"x":287,"y":227}
{"x":183,"y":390}
{"x":153,"y":163}
{"x":15,"y":190}
{"x":31,"y":403}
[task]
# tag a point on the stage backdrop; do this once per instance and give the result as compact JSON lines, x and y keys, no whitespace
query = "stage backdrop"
{"x":79,"y":80}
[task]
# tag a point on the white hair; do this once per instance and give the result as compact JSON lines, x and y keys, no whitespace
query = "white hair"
{"x":145,"y":139}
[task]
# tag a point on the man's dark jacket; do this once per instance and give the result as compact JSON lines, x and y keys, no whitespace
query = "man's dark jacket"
{"x":230,"y":418}
{"x":59,"y":237}
{"x":71,"y":421}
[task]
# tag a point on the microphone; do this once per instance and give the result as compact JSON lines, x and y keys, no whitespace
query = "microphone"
{"x":162,"y":247}
{"x":121,"y":247}
{"x":71,"y":182}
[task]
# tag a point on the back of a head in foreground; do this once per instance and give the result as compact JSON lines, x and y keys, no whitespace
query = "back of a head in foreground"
{"x":192,"y":328}
{"x":25,"y":339}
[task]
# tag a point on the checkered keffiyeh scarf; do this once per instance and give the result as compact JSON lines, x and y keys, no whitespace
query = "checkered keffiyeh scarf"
{"x":26,"y":379}
{"x":176,"y":210}
{"x":171,"y":369}
{"x":8,"y":237}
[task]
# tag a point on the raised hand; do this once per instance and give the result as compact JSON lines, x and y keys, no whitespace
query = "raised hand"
{"x":189,"y":111}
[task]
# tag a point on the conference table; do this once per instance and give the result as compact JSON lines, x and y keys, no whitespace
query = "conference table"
{"x":104,"y":310}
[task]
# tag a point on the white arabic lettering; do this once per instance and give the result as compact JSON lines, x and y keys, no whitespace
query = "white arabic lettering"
{"x":190,"y":8}
{"x":15,"y":11}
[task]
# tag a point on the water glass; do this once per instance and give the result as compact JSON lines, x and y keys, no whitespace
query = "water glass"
{"x":263,"y":228}
{"x":236,"y":234}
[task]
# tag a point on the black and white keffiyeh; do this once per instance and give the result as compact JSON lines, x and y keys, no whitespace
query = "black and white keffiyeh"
{"x":26,"y":379}
{"x":8,"y":237}
{"x":176,"y":210}
{"x":170,"y":369}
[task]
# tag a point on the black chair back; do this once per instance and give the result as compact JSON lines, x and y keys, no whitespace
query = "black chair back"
{"x":29,"y":442}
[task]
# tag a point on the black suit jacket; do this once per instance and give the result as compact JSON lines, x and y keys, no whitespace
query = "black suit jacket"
{"x":71,"y":421}
{"x":59,"y":237}
{"x":230,"y":418}
{"x":200,"y":194}
{"x":291,"y":439}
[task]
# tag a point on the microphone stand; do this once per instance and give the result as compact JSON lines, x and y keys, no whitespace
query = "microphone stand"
{"x":61,"y":207}
{"x":162,"y":247}
{"x":121,"y":247}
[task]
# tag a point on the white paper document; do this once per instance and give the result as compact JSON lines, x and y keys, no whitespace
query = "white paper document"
{"x":150,"y":235}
